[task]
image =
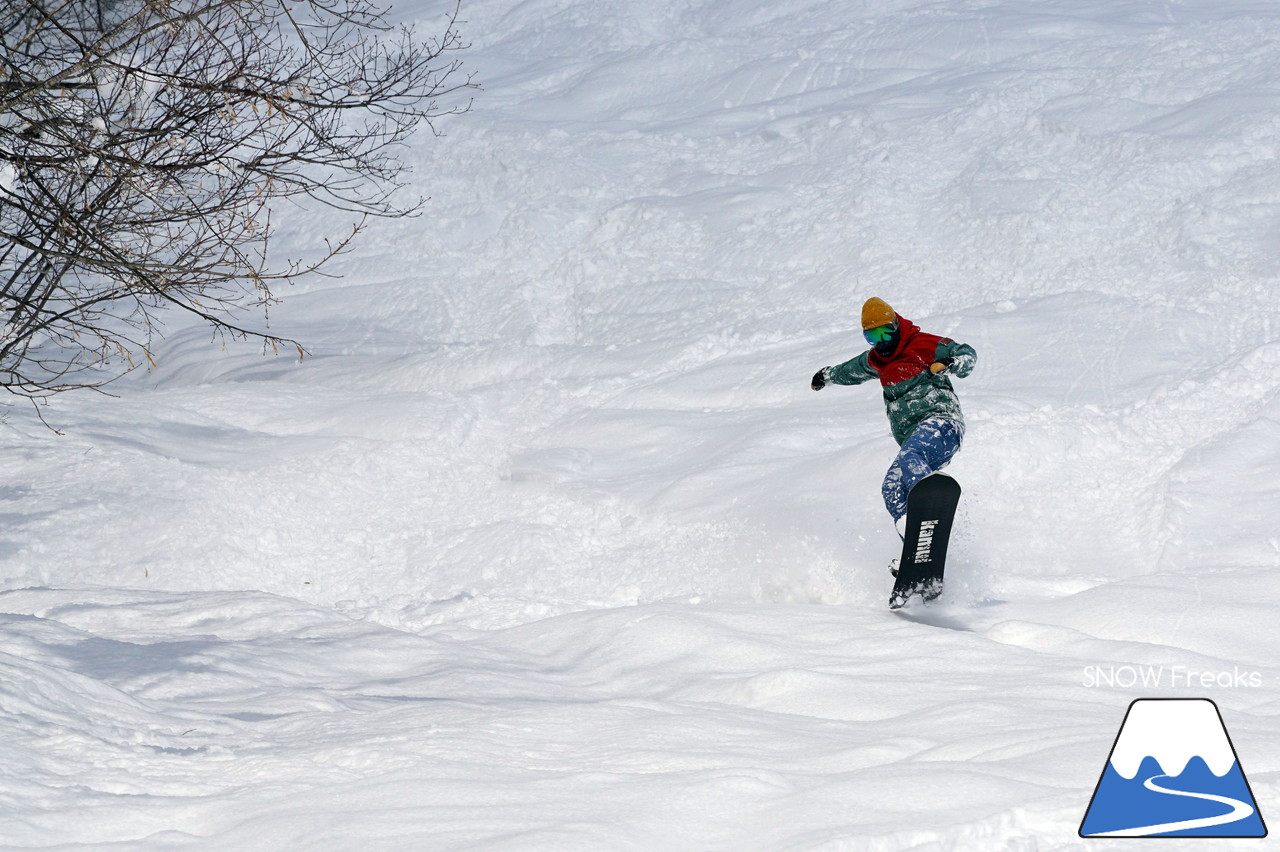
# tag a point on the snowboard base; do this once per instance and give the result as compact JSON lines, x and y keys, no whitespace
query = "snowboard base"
{"x":931,"y":509}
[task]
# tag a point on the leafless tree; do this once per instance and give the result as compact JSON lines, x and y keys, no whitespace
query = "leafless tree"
{"x":144,"y":145}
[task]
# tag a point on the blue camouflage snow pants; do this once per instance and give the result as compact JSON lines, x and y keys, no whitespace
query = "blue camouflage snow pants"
{"x":927,"y":449}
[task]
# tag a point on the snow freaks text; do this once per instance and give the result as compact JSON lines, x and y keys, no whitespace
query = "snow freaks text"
{"x":1169,"y":677}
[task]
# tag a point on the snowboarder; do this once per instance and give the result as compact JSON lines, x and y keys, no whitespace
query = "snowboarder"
{"x":924,"y":413}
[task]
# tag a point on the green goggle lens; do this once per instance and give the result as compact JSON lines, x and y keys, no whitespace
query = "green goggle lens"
{"x":879,"y":334}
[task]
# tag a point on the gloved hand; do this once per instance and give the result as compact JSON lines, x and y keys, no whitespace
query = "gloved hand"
{"x":819,"y":379}
{"x":938,"y":366}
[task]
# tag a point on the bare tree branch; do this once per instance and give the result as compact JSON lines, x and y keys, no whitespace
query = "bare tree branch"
{"x":144,"y":143}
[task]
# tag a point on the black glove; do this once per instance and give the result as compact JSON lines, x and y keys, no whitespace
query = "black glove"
{"x":819,"y":379}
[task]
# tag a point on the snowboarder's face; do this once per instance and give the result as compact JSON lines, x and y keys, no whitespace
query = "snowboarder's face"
{"x":883,"y":337}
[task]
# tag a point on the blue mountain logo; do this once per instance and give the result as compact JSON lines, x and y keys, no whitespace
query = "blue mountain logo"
{"x":1173,"y":772}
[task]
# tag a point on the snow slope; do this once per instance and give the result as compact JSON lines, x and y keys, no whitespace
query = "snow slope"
{"x":549,"y":545}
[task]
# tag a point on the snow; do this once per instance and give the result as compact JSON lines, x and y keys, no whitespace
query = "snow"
{"x":548,"y":545}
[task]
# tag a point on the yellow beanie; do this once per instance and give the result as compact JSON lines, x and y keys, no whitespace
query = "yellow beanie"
{"x":876,"y":312}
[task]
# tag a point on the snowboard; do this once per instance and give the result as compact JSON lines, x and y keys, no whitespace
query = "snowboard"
{"x":931,"y":507}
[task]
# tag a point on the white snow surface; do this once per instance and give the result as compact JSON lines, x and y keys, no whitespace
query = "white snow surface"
{"x":549,"y":545}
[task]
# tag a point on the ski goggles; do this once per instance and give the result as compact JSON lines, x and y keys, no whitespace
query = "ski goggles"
{"x":880,"y":334}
